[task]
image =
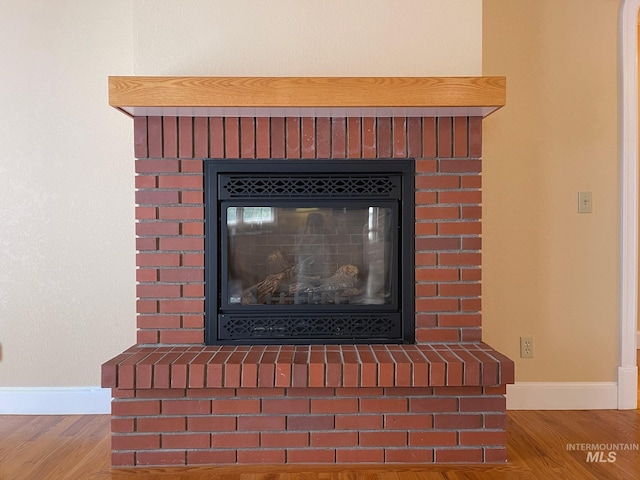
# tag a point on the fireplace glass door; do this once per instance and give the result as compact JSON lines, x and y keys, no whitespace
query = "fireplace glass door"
{"x":309,"y":251}
{"x":315,"y":255}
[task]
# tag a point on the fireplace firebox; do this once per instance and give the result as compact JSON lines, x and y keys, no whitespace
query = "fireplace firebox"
{"x":309,"y":251}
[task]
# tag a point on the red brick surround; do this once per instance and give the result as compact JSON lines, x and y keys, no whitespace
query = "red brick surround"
{"x":170,"y":209}
{"x":443,"y":398}
{"x":310,"y":425}
{"x":454,"y":365}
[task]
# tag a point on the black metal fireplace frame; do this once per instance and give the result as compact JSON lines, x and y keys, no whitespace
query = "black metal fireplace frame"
{"x":384,"y":181}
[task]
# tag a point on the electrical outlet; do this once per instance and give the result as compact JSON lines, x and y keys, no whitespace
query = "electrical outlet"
{"x":526,"y":347}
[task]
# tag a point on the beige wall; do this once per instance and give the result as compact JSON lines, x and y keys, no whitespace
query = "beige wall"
{"x":67,"y":289}
{"x":308,"y":37}
{"x":550,"y":272}
{"x":66,"y":194}
{"x":67,"y":298}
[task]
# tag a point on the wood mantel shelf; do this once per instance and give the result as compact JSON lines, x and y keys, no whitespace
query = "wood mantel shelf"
{"x":307,"y":96}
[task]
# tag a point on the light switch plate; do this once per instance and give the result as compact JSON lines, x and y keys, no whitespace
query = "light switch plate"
{"x":585,"y":202}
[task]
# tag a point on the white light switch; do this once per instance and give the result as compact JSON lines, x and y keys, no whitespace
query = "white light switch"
{"x":585,"y":202}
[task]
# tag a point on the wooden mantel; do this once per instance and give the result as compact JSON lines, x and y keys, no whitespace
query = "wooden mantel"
{"x":307,"y":96}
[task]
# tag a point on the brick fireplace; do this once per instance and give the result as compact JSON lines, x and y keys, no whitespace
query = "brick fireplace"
{"x":179,"y":402}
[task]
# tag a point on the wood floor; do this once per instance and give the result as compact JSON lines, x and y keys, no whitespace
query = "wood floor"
{"x":78,"y":447}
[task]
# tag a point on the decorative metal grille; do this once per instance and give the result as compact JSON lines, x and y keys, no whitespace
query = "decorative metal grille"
{"x":371,"y":326}
{"x":285,"y":186}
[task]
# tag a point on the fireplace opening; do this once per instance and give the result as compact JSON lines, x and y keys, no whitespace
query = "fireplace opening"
{"x":301,"y":251}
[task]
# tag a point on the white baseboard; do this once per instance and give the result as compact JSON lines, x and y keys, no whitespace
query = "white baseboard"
{"x":520,"y":396}
{"x":628,"y":388}
{"x":562,"y":396}
{"x":54,"y":400}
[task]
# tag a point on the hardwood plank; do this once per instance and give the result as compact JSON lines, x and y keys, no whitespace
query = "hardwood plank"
{"x":78,"y":447}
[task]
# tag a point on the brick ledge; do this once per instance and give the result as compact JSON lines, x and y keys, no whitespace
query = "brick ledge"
{"x":189,"y":366}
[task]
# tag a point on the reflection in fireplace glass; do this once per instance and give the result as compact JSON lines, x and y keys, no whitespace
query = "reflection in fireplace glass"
{"x":308,"y":256}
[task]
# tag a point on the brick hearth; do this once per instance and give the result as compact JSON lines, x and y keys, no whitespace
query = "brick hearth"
{"x":178,"y":402}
